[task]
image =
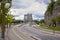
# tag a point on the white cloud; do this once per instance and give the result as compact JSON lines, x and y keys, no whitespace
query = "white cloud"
{"x":18,"y":11}
{"x":34,"y":7}
{"x":22,"y":3}
{"x":21,"y":17}
{"x":37,"y":7}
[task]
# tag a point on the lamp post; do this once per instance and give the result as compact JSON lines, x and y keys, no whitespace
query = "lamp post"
{"x":3,"y":5}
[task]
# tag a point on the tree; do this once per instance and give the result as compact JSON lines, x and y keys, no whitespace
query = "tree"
{"x":54,"y":22}
{"x":58,"y":2}
{"x":17,"y":21}
{"x":36,"y":21}
{"x":6,"y":9}
{"x":58,"y":19}
{"x":51,"y":6}
{"x":3,"y":12}
{"x":42,"y":21}
{"x":9,"y":19}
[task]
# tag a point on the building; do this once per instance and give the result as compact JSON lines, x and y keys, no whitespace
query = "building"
{"x":28,"y":18}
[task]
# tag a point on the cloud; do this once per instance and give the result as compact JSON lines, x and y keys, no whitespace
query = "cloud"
{"x":21,"y":7}
{"x":37,"y":18}
{"x":43,"y":1}
{"x":22,"y":3}
{"x":17,"y":11}
{"x":37,"y":7}
{"x":21,"y":17}
{"x":26,"y":3}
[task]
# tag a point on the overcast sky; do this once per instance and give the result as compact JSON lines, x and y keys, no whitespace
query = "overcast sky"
{"x":36,"y":7}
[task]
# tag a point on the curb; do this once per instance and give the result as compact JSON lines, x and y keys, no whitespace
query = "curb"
{"x":51,"y":33}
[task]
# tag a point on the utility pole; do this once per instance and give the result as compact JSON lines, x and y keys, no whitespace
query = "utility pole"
{"x":3,"y":20}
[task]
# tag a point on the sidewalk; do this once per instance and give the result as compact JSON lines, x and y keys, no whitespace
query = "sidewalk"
{"x":6,"y":36}
{"x":0,"y":33}
{"x":6,"y":33}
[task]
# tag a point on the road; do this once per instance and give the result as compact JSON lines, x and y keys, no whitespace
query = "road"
{"x":26,"y":32}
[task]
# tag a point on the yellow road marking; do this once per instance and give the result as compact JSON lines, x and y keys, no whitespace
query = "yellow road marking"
{"x":17,"y":35}
{"x":31,"y":35}
{"x":24,"y":33}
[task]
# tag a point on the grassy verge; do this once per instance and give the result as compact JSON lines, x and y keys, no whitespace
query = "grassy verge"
{"x":49,"y":27}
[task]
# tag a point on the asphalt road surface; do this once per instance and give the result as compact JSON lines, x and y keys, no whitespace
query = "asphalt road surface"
{"x":26,"y":32}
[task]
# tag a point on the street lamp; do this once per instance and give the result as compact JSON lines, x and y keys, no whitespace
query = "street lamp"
{"x":3,"y":5}
{"x":7,"y":5}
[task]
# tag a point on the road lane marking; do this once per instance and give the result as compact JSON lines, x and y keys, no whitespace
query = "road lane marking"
{"x":26,"y":33}
{"x":32,"y":36}
{"x":22,"y":32}
{"x":17,"y":35}
{"x":56,"y":35}
{"x":41,"y":30}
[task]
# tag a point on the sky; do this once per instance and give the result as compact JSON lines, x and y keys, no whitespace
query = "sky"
{"x":35,"y":7}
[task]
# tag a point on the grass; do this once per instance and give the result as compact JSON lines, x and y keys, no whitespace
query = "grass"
{"x":49,"y":27}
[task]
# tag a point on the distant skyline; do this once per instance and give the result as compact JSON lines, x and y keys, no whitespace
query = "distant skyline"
{"x":36,"y":7}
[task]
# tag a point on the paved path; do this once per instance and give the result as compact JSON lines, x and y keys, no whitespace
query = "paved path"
{"x":25,"y":32}
{"x":0,"y":33}
{"x":57,"y":33}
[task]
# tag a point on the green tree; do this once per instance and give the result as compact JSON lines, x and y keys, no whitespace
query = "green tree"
{"x":3,"y":12}
{"x":58,"y":19}
{"x":42,"y":21}
{"x":51,"y":6}
{"x":6,"y":9}
{"x":18,"y":21}
{"x":58,"y":2}
{"x":9,"y":19}
{"x":53,"y":21}
{"x":36,"y":21}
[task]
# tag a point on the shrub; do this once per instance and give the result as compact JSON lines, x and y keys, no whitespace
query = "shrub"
{"x":58,"y":2}
{"x":58,"y":19}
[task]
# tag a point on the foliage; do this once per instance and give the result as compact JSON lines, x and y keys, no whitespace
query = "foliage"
{"x":6,"y":9}
{"x":50,"y":6}
{"x":42,"y":21}
{"x":36,"y":21}
{"x":9,"y":18}
{"x":58,"y":19}
{"x":58,"y":2}
{"x":0,"y":17}
{"x":17,"y":21}
{"x":54,"y":20}
{"x":49,"y":27}
{"x":9,"y":1}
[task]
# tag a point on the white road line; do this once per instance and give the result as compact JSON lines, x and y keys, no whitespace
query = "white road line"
{"x":17,"y":35}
